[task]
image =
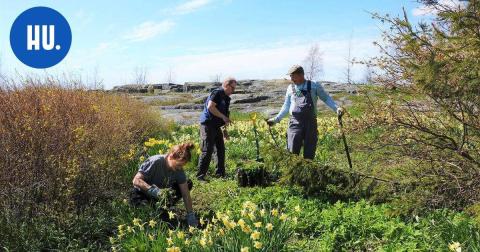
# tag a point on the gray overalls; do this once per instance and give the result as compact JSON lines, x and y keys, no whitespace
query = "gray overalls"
{"x":302,"y":129}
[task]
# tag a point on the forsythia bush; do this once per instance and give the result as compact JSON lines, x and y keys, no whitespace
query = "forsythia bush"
{"x":63,"y":149}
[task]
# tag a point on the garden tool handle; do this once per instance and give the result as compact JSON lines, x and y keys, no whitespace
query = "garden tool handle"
{"x":340,"y":122}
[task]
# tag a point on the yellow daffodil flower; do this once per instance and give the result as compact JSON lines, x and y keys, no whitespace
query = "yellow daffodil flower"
{"x":258,"y":245}
{"x":255,"y":235}
{"x":152,"y":223}
{"x":269,"y":227}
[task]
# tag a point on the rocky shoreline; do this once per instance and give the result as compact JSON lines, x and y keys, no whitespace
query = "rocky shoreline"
{"x":184,"y":103}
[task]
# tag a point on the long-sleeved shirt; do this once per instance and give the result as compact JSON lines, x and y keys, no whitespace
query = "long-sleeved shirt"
{"x":316,"y":91}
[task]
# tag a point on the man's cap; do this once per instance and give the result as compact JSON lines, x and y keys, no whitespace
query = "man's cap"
{"x":295,"y":69}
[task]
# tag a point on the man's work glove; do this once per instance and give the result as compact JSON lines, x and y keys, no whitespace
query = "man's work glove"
{"x":271,"y":122}
{"x":153,"y":192}
{"x":340,"y":111}
{"x":192,"y":219}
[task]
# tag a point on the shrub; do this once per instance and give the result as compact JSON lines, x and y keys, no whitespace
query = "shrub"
{"x":65,"y":149}
{"x":433,"y":117}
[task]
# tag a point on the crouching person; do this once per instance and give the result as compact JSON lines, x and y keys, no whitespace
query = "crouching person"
{"x":162,"y":177}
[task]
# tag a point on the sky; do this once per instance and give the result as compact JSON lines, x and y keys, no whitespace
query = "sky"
{"x":197,"y":40}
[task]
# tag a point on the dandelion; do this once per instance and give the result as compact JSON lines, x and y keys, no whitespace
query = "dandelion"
{"x":455,"y":246}
{"x":274,"y":212}
{"x":150,"y":237}
{"x":283,"y":217}
{"x":255,"y":235}
{"x":152,"y":223}
{"x":170,"y":241}
{"x":258,"y":245}
{"x":258,"y":224}
{"x":245,"y":249}
{"x":171,"y":215}
{"x":181,"y":235}
{"x":297,"y":209}
{"x":269,"y":227}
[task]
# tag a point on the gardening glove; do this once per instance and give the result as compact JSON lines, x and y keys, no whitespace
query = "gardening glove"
{"x":153,"y":192}
{"x":271,"y":122}
{"x":340,"y":111}
{"x":192,"y":219}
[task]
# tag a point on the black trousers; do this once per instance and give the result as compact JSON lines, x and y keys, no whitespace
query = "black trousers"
{"x":138,"y":197}
{"x":211,"y":137}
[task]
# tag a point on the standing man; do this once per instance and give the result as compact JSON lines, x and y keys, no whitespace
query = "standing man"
{"x":215,"y":115}
{"x":301,"y":102}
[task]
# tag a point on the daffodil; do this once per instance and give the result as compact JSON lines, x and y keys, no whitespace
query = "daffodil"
{"x":214,"y":220}
{"x":170,"y":241}
{"x":283,"y":217}
{"x":152,"y":223}
{"x":180,"y":235}
{"x":187,"y":241}
{"x":202,"y":222}
{"x":171,"y":215}
{"x":136,"y":221}
{"x":130,"y":229}
{"x":170,"y":232}
{"x":121,"y":227}
{"x":269,"y":227}
{"x":257,"y":245}
{"x":274,"y":212}
{"x":297,"y":208}
{"x":203,"y":242}
{"x":173,"y":249}
{"x":251,"y":215}
{"x":246,"y":229}
{"x":245,"y":249}
{"x":111,"y":239}
{"x":258,"y":224}
{"x":221,"y":232}
{"x":262,"y":212}
{"x":455,"y":246}
{"x":255,"y":235}
{"x":191,"y":229}
{"x":243,"y":213}
{"x":241,"y":223}
{"x":150,"y":237}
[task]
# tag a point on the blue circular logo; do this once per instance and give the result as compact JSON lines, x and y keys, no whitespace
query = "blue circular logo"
{"x":40,"y":37}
